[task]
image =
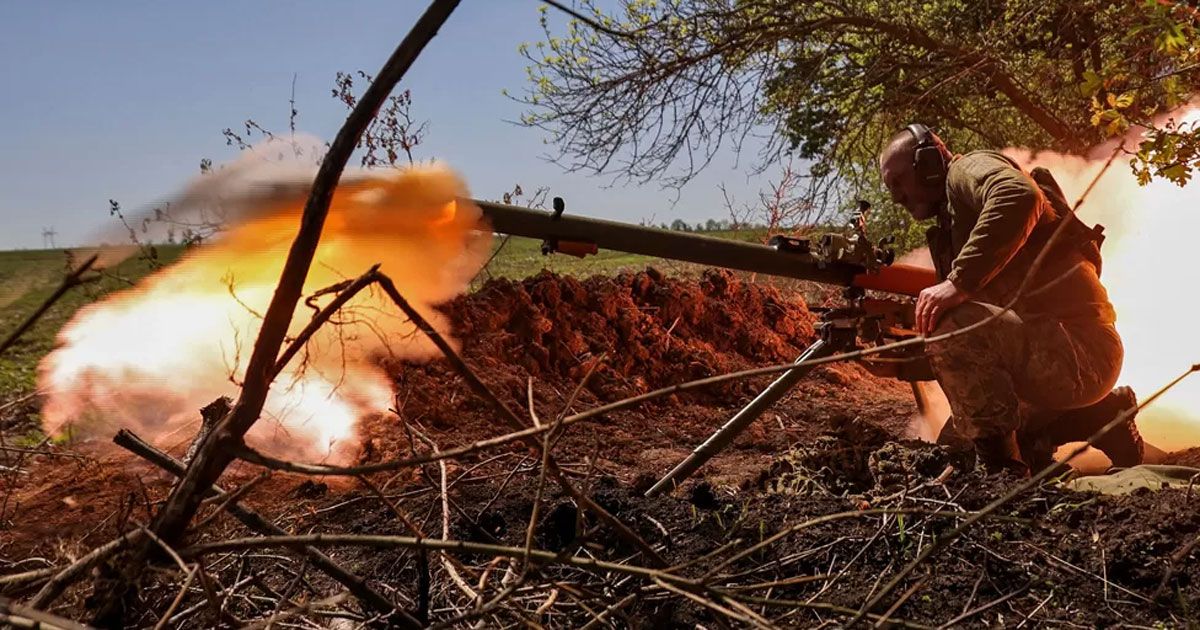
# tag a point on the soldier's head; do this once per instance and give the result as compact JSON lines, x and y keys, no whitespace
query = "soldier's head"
{"x":913,"y":167}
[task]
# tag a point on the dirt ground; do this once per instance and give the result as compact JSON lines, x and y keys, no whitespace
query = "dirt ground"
{"x":836,"y":446}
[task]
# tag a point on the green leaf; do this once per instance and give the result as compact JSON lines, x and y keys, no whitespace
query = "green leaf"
{"x":1122,"y":101}
{"x":1177,"y":173}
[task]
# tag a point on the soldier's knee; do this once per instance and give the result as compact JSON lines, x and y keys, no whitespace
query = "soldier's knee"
{"x":959,"y":317}
{"x":971,"y":313}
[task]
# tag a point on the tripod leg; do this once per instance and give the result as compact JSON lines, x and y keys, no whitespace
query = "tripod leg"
{"x":920,"y":398}
{"x":731,"y":429}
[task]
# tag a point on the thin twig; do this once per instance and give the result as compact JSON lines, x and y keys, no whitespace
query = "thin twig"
{"x":953,"y":623}
{"x":1035,"y":610}
{"x":514,"y":422}
{"x":900,"y":602}
{"x":1016,"y":491}
{"x":817,"y":606}
{"x":231,"y":498}
{"x":322,"y":316}
{"x":187,"y":583}
{"x":707,"y":603}
{"x":303,"y":608}
{"x":54,"y":587}
{"x":251,"y":519}
{"x":19,"y":615}
{"x":1081,"y":571}
{"x":589,"y":21}
{"x":72,"y":280}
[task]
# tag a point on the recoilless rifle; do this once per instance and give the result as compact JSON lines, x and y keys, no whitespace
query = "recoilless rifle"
{"x":849,"y":260}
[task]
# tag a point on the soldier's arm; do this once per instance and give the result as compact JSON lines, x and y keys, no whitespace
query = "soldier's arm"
{"x":1009,"y":207}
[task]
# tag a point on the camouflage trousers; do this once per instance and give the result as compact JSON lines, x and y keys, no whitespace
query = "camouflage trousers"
{"x":1016,"y":373}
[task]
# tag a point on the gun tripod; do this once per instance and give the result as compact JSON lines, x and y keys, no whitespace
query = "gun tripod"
{"x":835,"y":336}
{"x":871,"y":321}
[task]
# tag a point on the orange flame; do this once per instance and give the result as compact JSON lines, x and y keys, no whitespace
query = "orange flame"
{"x":150,"y":357}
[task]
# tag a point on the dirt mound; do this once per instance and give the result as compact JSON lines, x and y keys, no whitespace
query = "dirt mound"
{"x":640,"y":331}
{"x":856,"y":458}
{"x":1188,"y":457}
{"x":652,"y":330}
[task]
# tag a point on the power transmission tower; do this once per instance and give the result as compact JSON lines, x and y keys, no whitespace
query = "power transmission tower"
{"x":48,"y":238}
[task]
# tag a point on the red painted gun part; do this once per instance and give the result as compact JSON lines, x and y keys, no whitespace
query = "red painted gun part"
{"x":578,"y":249}
{"x":899,"y":278}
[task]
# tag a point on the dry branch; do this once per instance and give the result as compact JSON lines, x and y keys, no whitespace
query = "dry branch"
{"x":432,"y":544}
{"x":53,"y":588}
{"x":545,"y":557}
{"x":16,"y":615}
{"x":73,"y":279}
{"x":514,"y":422}
{"x":540,"y":556}
{"x":256,"y":523}
{"x":17,"y":580}
{"x":216,"y":453}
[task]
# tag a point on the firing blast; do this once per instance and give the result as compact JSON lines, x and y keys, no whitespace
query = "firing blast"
{"x":150,"y":357}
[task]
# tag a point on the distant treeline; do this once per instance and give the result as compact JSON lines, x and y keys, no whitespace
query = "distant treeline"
{"x":711,"y":225}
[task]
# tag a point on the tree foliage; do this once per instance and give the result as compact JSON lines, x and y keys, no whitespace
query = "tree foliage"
{"x":653,"y":89}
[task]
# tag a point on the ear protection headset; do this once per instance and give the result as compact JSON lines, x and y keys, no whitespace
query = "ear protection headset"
{"x":929,"y":164}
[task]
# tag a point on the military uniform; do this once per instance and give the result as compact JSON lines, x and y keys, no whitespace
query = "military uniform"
{"x":1057,"y":349}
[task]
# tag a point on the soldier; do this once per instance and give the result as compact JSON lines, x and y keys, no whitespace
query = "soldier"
{"x":1037,"y":376}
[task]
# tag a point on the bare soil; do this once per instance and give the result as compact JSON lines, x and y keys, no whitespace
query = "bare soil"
{"x":1052,"y":558}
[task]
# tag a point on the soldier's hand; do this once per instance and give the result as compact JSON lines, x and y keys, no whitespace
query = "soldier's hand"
{"x":934,"y":302}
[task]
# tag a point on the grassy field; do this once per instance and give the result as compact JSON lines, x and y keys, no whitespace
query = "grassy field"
{"x":28,"y":277}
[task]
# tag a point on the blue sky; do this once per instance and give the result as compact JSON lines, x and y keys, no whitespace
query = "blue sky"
{"x":120,"y":100}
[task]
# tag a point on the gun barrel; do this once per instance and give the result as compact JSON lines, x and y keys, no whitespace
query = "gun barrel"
{"x":637,"y":239}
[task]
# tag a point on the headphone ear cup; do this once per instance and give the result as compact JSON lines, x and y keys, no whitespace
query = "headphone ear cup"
{"x":928,"y":166}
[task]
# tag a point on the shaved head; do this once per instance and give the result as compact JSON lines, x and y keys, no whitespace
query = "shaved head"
{"x":897,"y":169}
{"x":903,"y":143}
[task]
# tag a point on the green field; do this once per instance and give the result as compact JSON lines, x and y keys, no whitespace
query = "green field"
{"x":27,"y":278}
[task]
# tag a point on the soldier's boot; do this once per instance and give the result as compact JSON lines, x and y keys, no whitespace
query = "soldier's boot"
{"x":1122,"y":444}
{"x":1000,"y":453}
{"x":1037,"y":449}
{"x":962,"y":451}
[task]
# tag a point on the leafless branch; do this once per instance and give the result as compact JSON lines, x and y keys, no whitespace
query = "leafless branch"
{"x":73,"y":279}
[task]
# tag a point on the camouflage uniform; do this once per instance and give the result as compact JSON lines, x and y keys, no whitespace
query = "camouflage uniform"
{"x":1057,"y":349}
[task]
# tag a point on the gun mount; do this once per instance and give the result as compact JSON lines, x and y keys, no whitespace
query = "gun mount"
{"x":851,"y":261}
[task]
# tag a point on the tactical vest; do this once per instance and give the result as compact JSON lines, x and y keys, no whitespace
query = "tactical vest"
{"x":1076,"y":236}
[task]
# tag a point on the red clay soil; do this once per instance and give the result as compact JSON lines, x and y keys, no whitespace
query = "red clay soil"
{"x":1057,"y":558}
{"x":651,"y":332}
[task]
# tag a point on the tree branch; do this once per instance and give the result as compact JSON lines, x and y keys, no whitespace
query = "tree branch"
{"x":256,"y":523}
{"x":217,"y":450}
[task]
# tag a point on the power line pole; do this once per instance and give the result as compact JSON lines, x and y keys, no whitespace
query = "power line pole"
{"x":48,"y":238}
